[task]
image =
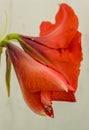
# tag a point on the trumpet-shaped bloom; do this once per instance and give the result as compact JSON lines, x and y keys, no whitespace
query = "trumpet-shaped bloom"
{"x":48,"y":66}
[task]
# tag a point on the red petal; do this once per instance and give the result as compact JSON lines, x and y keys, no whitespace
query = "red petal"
{"x":63,"y":96}
{"x":60,"y":34}
{"x":46,"y":98}
{"x":45,"y":26}
{"x":34,"y":102}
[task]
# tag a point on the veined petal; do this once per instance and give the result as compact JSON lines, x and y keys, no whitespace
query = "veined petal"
{"x":64,"y":60}
{"x":36,"y":76}
{"x":60,"y":34}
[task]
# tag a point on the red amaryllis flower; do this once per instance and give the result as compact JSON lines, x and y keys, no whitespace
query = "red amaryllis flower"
{"x":39,"y":83}
{"x":48,"y":68}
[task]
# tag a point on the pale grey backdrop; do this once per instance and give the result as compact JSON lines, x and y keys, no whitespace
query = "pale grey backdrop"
{"x":25,"y":17}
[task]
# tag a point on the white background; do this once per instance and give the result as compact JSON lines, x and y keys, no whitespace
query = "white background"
{"x":25,"y":17}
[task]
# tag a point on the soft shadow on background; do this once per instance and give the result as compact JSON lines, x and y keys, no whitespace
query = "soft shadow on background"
{"x":25,"y":17}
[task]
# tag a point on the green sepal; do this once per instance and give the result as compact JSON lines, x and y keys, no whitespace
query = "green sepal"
{"x":8,"y":73}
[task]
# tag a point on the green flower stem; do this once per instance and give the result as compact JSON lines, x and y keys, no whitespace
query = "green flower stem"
{"x":9,"y":37}
{"x":12,"y":36}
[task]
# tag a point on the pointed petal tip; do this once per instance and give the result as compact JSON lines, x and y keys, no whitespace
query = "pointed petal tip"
{"x":43,"y":114}
{"x":72,"y":96}
{"x":64,"y":88}
{"x":46,"y":115}
{"x":52,"y":116}
{"x":67,"y":88}
{"x":49,"y":111}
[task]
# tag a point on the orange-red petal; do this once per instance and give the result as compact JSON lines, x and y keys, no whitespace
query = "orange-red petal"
{"x":46,"y":98}
{"x":33,"y":100}
{"x":60,"y":34}
{"x":63,"y":96}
